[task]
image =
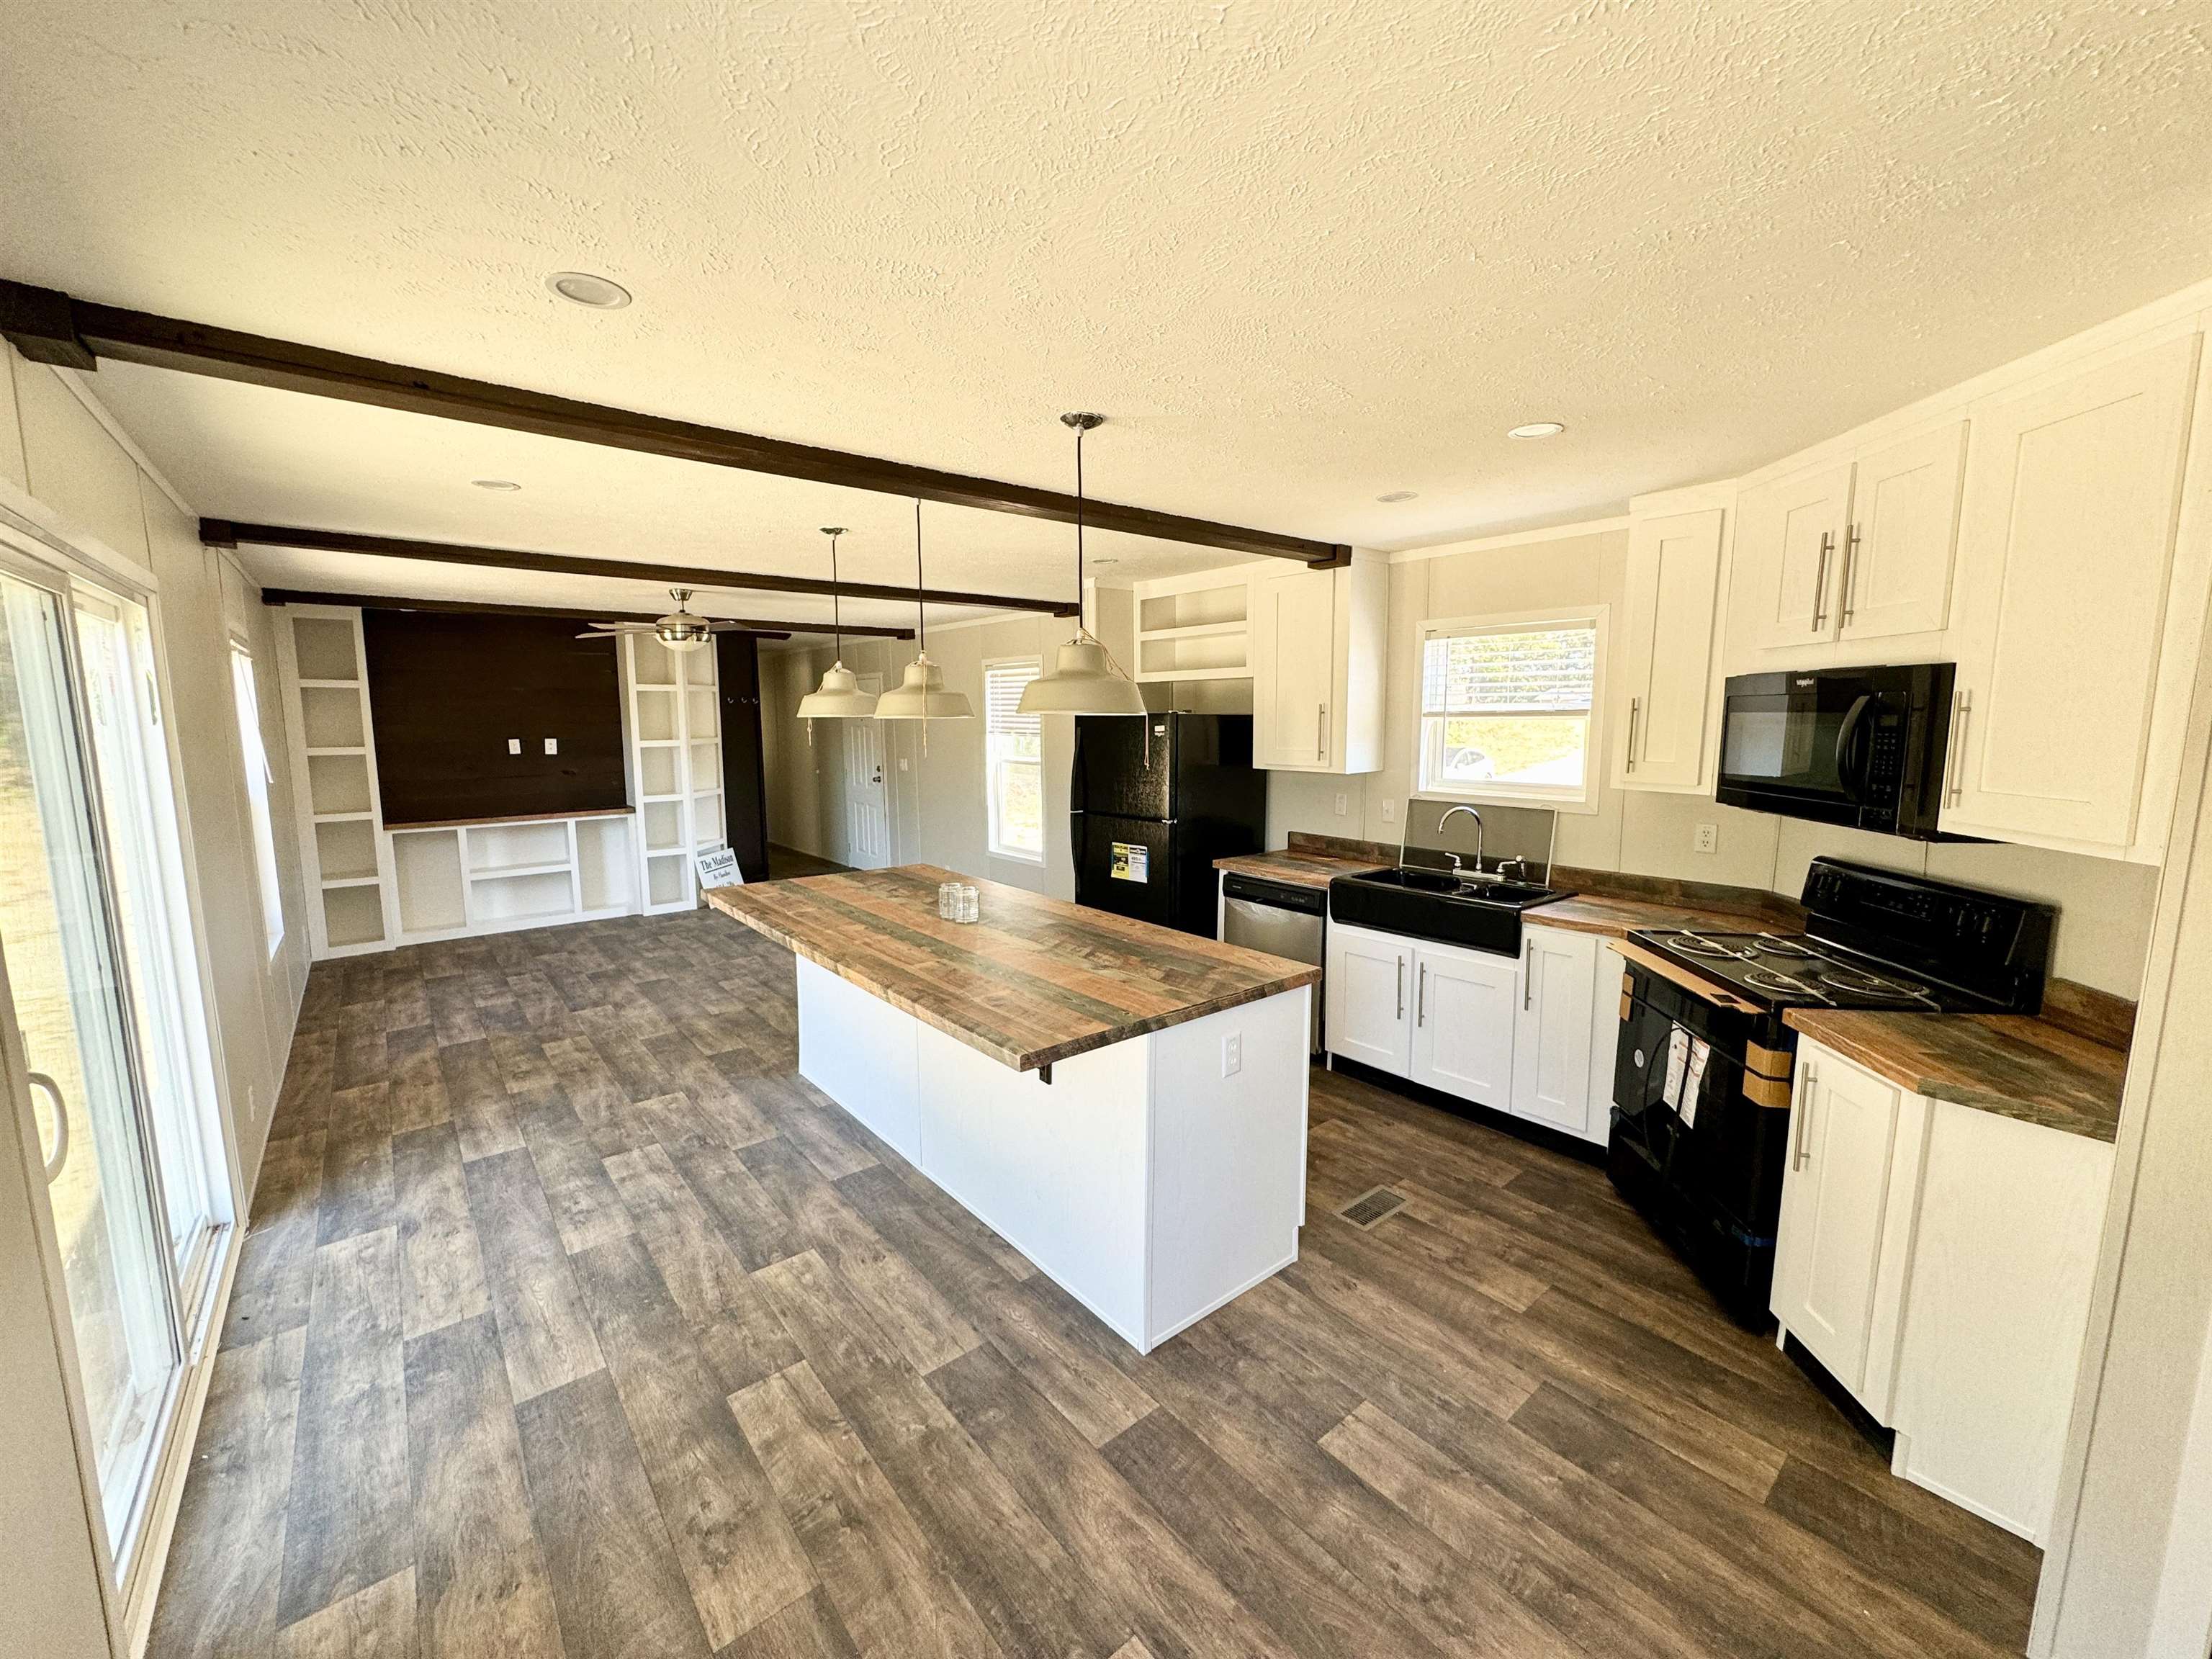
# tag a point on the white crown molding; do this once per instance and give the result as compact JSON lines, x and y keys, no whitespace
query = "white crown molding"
{"x":1556,"y":532}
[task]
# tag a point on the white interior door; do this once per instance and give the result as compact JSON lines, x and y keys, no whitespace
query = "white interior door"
{"x":69,"y":1001}
{"x":867,"y":797}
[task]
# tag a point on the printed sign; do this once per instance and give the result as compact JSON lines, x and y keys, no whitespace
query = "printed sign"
{"x":1132,"y":862}
{"x":718,"y":868}
{"x":1700,"y":1052}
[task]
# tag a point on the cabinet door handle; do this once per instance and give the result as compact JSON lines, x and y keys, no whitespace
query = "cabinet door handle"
{"x":1421,"y":996}
{"x":1850,"y":575}
{"x":1959,"y":718}
{"x":1402,"y":988}
{"x":1820,"y":580}
{"x":1635,"y":708}
{"x":1804,"y":1149}
{"x":1321,"y":732}
{"x":1527,"y":973}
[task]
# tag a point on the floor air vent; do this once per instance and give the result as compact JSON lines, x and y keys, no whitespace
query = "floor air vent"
{"x":1376,"y":1205}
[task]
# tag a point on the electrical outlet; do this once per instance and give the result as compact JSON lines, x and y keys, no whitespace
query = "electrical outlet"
{"x":1343,"y":803}
{"x":1389,"y":811}
{"x":1232,"y":1053}
{"x":902,"y":765}
{"x":514,"y":746}
{"x":1709,"y":838}
{"x":552,"y":745}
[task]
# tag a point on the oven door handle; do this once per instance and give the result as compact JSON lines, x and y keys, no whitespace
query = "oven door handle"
{"x":1851,"y":757}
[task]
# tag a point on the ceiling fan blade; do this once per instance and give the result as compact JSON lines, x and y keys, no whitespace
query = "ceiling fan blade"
{"x":600,"y":630}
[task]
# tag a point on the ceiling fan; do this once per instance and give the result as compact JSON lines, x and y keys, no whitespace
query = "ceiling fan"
{"x":679,"y":630}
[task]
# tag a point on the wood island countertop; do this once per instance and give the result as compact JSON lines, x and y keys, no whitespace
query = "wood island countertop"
{"x":1036,"y":980}
{"x":2016,"y":1065}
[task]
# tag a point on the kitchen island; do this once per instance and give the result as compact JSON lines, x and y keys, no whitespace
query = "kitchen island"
{"x":1123,"y":1103}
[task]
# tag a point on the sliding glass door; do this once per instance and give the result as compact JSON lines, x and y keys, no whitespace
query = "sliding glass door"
{"x":102,"y":986}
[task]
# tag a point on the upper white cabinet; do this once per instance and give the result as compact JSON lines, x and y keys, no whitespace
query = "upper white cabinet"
{"x":1317,"y":640}
{"x":2067,"y":606}
{"x":1849,"y":551}
{"x":1662,"y":699}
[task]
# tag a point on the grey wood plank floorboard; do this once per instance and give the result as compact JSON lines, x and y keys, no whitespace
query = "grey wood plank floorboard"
{"x":346,"y":1523}
{"x":571,"y":1321}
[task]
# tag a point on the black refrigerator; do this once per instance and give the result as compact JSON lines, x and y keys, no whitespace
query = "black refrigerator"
{"x":1154,"y":802}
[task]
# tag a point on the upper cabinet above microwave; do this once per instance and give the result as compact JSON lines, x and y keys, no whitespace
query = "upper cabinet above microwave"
{"x":1849,"y":550}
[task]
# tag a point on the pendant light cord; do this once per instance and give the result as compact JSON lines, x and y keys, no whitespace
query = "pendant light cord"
{"x":1082,"y":626}
{"x":836,"y":600}
{"x":920,"y":608}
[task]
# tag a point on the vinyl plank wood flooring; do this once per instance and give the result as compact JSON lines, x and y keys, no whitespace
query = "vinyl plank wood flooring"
{"x":346,"y":1523}
{"x":617,"y":1584}
{"x":570,"y":1321}
{"x":480,"y":1581}
{"x":736,"y":1548}
{"x":542,"y":1327}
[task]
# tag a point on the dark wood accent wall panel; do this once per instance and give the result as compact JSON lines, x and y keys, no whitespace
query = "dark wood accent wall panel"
{"x":446,"y":692}
{"x":744,"y":763}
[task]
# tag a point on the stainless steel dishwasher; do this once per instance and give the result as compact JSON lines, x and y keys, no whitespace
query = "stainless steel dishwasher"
{"x":1282,"y":920}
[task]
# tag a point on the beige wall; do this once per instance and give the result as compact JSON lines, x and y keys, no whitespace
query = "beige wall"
{"x":91,"y":489}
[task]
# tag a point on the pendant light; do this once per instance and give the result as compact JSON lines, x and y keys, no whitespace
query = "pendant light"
{"x":1083,"y":680}
{"x":839,"y":697}
{"x":921,"y":695}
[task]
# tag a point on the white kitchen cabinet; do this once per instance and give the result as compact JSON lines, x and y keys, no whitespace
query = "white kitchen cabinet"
{"x":1317,"y":640}
{"x":1834,"y":556}
{"x":1662,"y":701}
{"x":1465,"y":1003}
{"x":1937,"y":1260}
{"x":1366,"y":982}
{"x":1835,"y":1190}
{"x":2067,"y":570}
{"x":1476,"y":1026}
{"x":1792,"y":531}
{"x":1564,"y":1033}
{"x":1894,"y":578}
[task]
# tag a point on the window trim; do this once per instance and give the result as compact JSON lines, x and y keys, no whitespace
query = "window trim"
{"x":992,"y":843}
{"x":260,"y":804}
{"x":1587,"y":801}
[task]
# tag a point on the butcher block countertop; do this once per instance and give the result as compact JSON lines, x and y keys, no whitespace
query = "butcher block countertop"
{"x":1036,"y":980}
{"x":1617,"y":916}
{"x":2013,"y":1064}
{"x":1299,"y":867}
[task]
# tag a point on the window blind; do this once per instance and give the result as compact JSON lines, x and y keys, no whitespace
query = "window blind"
{"x":1546,"y":670}
{"x":1003,"y":686}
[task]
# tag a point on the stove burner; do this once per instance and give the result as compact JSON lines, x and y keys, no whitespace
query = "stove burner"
{"x":1770,"y":979}
{"x":1862,"y":984}
{"x":1697,"y":945}
{"x":1774,"y":944}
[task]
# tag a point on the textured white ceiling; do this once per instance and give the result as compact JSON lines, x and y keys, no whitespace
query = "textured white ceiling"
{"x":1303,"y":253}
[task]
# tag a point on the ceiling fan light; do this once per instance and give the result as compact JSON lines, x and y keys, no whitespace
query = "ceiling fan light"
{"x":839,"y":697}
{"x":1082,"y":681}
{"x":921,"y":696}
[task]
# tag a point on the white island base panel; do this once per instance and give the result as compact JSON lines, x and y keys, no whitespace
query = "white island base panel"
{"x":1140,"y":1180}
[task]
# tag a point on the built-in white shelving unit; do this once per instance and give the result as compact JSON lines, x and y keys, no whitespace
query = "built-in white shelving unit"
{"x":1194,"y":627}
{"x":675,"y":766}
{"x":375,"y":885}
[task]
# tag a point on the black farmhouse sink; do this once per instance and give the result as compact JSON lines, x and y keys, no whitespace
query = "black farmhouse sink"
{"x":1478,"y":911}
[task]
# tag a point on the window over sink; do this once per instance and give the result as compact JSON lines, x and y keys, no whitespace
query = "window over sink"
{"x":1509,"y":707}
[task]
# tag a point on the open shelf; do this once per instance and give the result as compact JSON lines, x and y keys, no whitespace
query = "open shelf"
{"x":1194,"y":629}
{"x":1223,"y":603}
{"x":546,"y":896}
{"x":353,"y":916}
{"x":329,"y":882}
{"x":345,"y":848}
{"x":512,"y":873}
{"x":339,"y":783}
{"x":664,"y":878}
{"x":329,"y":718}
{"x":605,"y":872}
{"x":324,"y":647}
{"x":495,"y":848}
{"x":428,"y":864}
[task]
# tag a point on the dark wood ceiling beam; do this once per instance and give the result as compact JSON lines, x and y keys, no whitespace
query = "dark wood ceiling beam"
{"x":50,"y":326}
{"x":761,"y":627}
{"x":224,"y":532}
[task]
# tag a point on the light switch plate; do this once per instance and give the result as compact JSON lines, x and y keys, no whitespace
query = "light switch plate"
{"x":1343,"y":803}
{"x":514,"y":746}
{"x":1389,"y":811}
{"x":552,"y":745}
{"x":1232,"y":1053}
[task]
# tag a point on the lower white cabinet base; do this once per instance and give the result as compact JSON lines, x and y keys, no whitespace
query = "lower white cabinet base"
{"x":1936,"y":1260}
{"x":1139,"y":1180}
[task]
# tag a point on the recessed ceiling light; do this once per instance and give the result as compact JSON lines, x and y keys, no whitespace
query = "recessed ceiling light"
{"x":583,"y":288}
{"x":1538,"y":429}
{"x":495,"y":484}
{"x":1399,"y":496}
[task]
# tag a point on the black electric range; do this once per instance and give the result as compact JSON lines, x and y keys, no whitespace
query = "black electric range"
{"x":1702,"y":1073}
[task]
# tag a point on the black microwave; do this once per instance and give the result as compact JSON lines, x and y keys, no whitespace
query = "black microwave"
{"x":1860,"y":746}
